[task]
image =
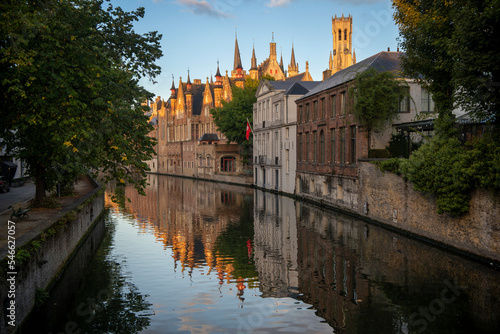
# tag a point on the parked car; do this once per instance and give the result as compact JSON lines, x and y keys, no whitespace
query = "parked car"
{"x":4,"y":185}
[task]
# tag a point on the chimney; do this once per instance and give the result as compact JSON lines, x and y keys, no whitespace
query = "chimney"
{"x":388,"y":49}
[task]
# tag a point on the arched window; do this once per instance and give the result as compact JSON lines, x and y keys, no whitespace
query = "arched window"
{"x":345,"y":34}
{"x":322,"y":147}
{"x":340,"y":34}
{"x":228,"y":164}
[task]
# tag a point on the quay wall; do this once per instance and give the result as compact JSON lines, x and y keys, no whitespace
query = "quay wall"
{"x":389,"y":199}
{"x":50,"y":247}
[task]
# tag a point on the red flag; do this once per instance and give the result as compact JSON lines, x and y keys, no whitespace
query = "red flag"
{"x":249,"y":129}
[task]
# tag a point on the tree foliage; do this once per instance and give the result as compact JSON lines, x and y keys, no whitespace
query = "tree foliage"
{"x":376,"y":98}
{"x":231,"y":118}
{"x":71,"y":101}
{"x":454,"y":48}
{"x":450,"y":170}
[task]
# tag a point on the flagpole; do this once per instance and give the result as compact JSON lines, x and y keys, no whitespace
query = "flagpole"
{"x":254,"y":142}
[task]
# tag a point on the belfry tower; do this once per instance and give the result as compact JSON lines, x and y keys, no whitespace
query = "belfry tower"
{"x":342,"y":44}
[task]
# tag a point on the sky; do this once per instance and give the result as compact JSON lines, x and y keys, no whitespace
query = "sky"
{"x":198,"y":33}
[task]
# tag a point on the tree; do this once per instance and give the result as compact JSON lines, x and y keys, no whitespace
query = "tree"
{"x":231,"y":118}
{"x":425,"y":28}
{"x":71,"y":101}
{"x":376,"y":98}
{"x":454,"y":48}
{"x":475,"y":49}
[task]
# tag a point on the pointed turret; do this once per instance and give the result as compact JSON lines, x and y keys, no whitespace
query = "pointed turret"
{"x":237,"y":58}
{"x":293,"y":68}
{"x":173,"y":96}
{"x":218,"y":76}
{"x":281,"y":63}
{"x":254,"y":70}
{"x":188,"y":84}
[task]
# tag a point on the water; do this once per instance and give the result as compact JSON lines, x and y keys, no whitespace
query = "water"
{"x":202,"y":257}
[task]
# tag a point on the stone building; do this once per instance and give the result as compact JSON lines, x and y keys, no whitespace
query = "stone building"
{"x":189,"y":142}
{"x":275,"y":123}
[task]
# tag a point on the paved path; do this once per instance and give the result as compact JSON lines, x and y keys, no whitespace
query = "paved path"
{"x":16,"y":195}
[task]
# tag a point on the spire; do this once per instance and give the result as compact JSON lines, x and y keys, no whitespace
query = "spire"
{"x":188,"y":83}
{"x":292,"y":60}
{"x":217,"y":74}
{"x":237,"y":58}
{"x":254,"y":59}
{"x":281,"y":62}
{"x":172,"y":89}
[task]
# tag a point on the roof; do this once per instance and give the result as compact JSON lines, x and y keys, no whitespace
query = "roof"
{"x":382,"y":61}
{"x":291,"y":87}
{"x":209,"y":137}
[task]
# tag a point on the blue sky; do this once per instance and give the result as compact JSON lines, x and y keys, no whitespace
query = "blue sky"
{"x":197,"y":33}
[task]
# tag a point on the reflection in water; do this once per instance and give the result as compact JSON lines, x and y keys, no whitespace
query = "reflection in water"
{"x":364,"y":279}
{"x":201,"y":257}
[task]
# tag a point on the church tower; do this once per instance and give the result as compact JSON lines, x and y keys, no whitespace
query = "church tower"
{"x":342,"y":44}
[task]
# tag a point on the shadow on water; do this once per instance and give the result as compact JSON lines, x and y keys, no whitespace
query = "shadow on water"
{"x":93,"y":295}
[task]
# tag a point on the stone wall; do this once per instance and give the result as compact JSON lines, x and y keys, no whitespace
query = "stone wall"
{"x":44,"y":265}
{"x":387,"y":198}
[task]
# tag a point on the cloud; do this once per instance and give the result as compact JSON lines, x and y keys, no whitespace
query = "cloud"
{"x":278,"y":3}
{"x":203,"y":7}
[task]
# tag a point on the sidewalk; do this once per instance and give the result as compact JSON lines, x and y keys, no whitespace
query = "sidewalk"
{"x":37,"y":217}
{"x":17,"y":195}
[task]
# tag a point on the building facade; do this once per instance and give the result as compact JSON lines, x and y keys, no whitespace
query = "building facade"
{"x":330,"y":141}
{"x":275,"y":125}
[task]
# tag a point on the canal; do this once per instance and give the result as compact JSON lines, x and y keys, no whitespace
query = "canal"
{"x":201,"y":257}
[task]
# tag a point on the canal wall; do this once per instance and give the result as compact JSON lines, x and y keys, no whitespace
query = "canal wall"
{"x":388,"y":198}
{"x":41,"y":256}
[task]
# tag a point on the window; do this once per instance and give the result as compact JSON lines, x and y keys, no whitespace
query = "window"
{"x":307,"y":112}
{"x":345,"y":34}
{"x":315,"y":110}
{"x":332,"y":146}
{"x":333,"y":105}
{"x":426,"y":102}
{"x":322,"y":108}
{"x":314,"y":148}
{"x":404,"y":103}
{"x":340,"y":34}
{"x":287,"y":161}
{"x":322,"y":147}
{"x":342,"y":145}
{"x":353,"y":144}
{"x":276,"y":111}
{"x":287,"y":133}
{"x":228,"y":164}
{"x":342,"y":103}
{"x":300,"y":114}
{"x":307,"y":148}
{"x":299,"y":148}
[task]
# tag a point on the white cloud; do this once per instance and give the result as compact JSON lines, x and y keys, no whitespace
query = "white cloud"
{"x":202,"y":7}
{"x":279,"y":3}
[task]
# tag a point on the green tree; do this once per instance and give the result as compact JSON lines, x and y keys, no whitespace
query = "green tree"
{"x":231,"y":118}
{"x":454,"y":48}
{"x":71,"y":102}
{"x":376,"y":98}
{"x":424,"y":29}
{"x":475,"y":49}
